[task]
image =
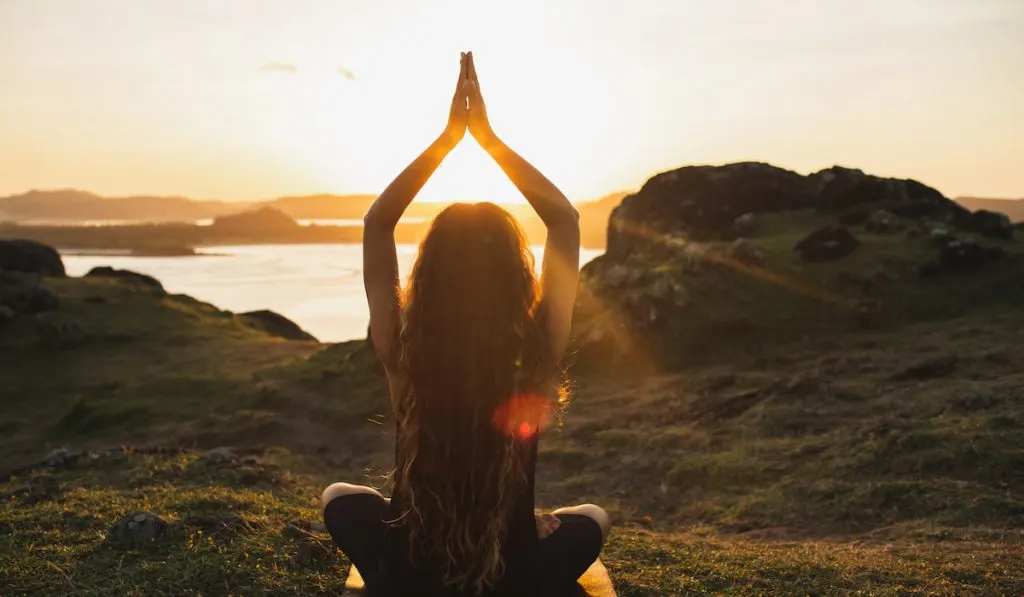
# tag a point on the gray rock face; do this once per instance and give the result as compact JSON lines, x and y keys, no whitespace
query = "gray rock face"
{"x":57,"y":330}
{"x":275,"y":324}
{"x":883,"y":222}
{"x":25,"y":293}
{"x":745,"y":225}
{"x":137,"y":530}
{"x":128,"y":275}
{"x":28,"y":256}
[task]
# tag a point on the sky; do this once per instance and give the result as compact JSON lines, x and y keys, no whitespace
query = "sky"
{"x":252,"y":99}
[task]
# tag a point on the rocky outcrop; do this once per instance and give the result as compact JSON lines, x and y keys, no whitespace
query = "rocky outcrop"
{"x":275,"y":324}
{"x":701,"y":202}
{"x":30,"y":257}
{"x":839,"y":188}
{"x":986,"y":223}
{"x":706,"y":203}
{"x":25,"y":293}
{"x":104,"y":271}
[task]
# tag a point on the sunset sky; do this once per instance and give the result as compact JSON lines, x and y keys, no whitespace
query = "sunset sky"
{"x":250,"y":99}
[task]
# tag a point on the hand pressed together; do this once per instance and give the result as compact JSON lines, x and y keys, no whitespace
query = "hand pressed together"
{"x":468,"y":110}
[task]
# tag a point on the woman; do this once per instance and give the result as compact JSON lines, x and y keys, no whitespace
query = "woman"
{"x":471,"y":349}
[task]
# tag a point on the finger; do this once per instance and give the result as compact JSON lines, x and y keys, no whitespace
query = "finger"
{"x":472,"y":67}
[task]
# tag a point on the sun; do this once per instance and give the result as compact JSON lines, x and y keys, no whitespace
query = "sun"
{"x":469,"y":174}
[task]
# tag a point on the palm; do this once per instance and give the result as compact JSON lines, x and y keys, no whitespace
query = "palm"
{"x":479,"y":125}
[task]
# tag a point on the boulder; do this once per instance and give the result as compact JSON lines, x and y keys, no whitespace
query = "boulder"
{"x":104,"y":271}
{"x":137,"y":530}
{"x":883,"y":222}
{"x":829,"y":243}
{"x":25,"y":293}
{"x":702,"y":202}
{"x":6,"y":315}
{"x":746,"y":252}
{"x":275,"y":324}
{"x":967,"y":255}
{"x":839,"y":188}
{"x":987,"y":223}
{"x":745,"y":225}
{"x":28,"y":256}
{"x":57,"y":330}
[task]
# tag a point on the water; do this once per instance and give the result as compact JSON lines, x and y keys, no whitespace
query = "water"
{"x":319,"y":287}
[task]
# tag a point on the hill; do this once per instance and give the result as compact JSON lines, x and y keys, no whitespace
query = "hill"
{"x":760,"y":412}
{"x":1014,"y":208}
{"x":71,"y":206}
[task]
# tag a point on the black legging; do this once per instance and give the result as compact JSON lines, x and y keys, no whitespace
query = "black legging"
{"x":356,"y":523}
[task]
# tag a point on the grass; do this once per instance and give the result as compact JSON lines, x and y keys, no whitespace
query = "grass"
{"x":799,"y":453}
{"x":59,"y":544}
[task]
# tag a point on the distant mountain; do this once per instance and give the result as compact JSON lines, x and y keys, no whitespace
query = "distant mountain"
{"x":1011,"y":207}
{"x":70,"y":205}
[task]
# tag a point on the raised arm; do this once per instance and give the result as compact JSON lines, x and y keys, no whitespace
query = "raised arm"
{"x":380,"y":260}
{"x":560,"y":274}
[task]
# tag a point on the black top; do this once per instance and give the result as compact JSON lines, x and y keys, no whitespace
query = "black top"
{"x":518,"y":552}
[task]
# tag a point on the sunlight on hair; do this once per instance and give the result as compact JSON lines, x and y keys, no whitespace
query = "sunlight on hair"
{"x":524,"y":415}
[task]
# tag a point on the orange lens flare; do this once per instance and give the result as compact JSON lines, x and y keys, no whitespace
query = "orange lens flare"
{"x":524,"y":416}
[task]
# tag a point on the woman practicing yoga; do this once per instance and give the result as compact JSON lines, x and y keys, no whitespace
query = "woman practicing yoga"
{"x":471,"y":347}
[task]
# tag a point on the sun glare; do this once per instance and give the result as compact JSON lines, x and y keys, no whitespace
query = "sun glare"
{"x":468,"y":174}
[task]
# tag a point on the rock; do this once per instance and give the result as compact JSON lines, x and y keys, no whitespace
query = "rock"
{"x":137,"y":530}
{"x":701,"y":202}
{"x":745,"y":251}
{"x":841,"y":188}
{"x":309,"y":550}
{"x":57,"y":330}
{"x":620,"y":275}
{"x":931,"y":368}
{"x":6,"y":315}
{"x":30,"y":257}
{"x":61,"y":457}
{"x":883,"y":222}
{"x":830,"y":243}
{"x":25,"y":293}
{"x":123,"y":274}
{"x":745,"y":225}
{"x":987,"y":223}
{"x":967,"y":255}
{"x":219,"y":455}
{"x":275,"y":325}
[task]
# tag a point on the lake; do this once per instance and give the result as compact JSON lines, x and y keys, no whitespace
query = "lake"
{"x":319,"y":287}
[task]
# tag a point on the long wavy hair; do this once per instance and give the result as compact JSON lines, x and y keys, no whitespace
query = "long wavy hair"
{"x":470,"y":346}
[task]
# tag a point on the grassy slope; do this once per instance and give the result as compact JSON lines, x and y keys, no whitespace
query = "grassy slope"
{"x":826,"y":465}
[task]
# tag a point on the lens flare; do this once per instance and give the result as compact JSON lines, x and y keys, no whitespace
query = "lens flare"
{"x":523,"y":416}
